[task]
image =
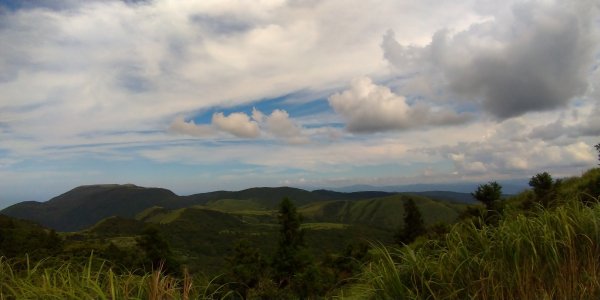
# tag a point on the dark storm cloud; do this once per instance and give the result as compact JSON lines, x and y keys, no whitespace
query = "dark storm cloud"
{"x":535,"y":58}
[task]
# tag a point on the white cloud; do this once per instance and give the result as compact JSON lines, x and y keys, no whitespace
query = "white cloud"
{"x":582,"y":122}
{"x":499,"y":154}
{"x":278,"y":124}
{"x":237,"y":124}
{"x":180,"y":126}
{"x":367,"y":107}
{"x":281,"y":126}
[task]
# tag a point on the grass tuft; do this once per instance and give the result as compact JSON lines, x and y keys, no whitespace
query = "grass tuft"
{"x":54,"y":279}
{"x":549,"y":255}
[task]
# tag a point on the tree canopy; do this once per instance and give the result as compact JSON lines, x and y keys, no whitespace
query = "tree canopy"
{"x":488,"y":194}
{"x":414,"y":226}
{"x":288,"y":258}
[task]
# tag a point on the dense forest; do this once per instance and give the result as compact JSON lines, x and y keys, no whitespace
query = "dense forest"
{"x":543,"y":243}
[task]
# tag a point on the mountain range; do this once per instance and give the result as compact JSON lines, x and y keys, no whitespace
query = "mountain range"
{"x":202,"y":228}
{"x":509,"y":187}
{"x":84,"y":206}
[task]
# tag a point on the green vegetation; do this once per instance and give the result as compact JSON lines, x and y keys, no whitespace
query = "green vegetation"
{"x":289,"y":260}
{"x":550,"y":255}
{"x":18,"y":237}
{"x":383,"y":213}
{"x":488,"y":194}
{"x":413,"y":224}
{"x":544,"y":188}
{"x":85,"y":206}
{"x":532,"y":251}
{"x":55,"y":279}
{"x":540,"y":244}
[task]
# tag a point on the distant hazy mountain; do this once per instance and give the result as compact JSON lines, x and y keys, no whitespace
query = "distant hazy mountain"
{"x":508,"y":187}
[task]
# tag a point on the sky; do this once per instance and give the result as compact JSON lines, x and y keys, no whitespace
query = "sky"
{"x":197,"y":96}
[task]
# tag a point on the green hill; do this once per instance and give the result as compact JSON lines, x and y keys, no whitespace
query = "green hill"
{"x":117,"y":226}
{"x":385,"y":213}
{"x":21,"y":236}
{"x":269,"y":198}
{"x":536,"y":249}
{"x":84,"y":206}
{"x":202,"y":238}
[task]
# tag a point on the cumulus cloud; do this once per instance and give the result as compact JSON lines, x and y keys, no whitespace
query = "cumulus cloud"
{"x":587,"y":125}
{"x":180,"y":126}
{"x":499,"y":153}
{"x":534,"y":57}
{"x":237,"y":124}
{"x":549,"y":131}
{"x":281,"y":126}
{"x":368,"y":107}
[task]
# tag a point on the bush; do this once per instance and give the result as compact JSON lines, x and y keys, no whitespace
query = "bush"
{"x":550,"y":255}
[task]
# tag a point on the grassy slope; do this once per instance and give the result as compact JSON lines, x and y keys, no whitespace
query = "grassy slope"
{"x":544,"y":254}
{"x":53,"y":279}
{"x":385,"y":213}
{"x":202,"y":237}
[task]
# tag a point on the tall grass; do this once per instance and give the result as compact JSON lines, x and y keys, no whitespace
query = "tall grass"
{"x":52,"y":279}
{"x":550,"y":255}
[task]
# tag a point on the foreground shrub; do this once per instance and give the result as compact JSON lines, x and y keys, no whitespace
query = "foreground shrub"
{"x":55,"y":279}
{"x":550,"y":255}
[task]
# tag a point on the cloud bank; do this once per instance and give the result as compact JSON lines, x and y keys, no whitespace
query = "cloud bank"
{"x":533,"y":56}
{"x":367,"y":107}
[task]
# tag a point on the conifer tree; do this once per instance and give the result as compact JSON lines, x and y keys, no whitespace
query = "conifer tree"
{"x":488,"y":194}
{"x":246,"y":267}
{"x":288,"y":259}
{"x":413,"y":224}
{"x":157,"y":251}
{"x":544,"y":188}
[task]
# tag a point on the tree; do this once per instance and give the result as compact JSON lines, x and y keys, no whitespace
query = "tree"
{"x":289,"y":258}
{"x":246,"y":267}
{"x":544,"y":188}
{"x":488,"y":194}
{"x":413,"y":224}
{"x":598,"y":149}
{"x":156,"y":249}
{"x":18,"y":238}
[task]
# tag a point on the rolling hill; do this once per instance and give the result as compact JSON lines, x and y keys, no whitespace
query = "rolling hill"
{"x":84,"y":206}
{"x":202,"y":238}
{"x":202,"y":228}
{"x":385,"y":213}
